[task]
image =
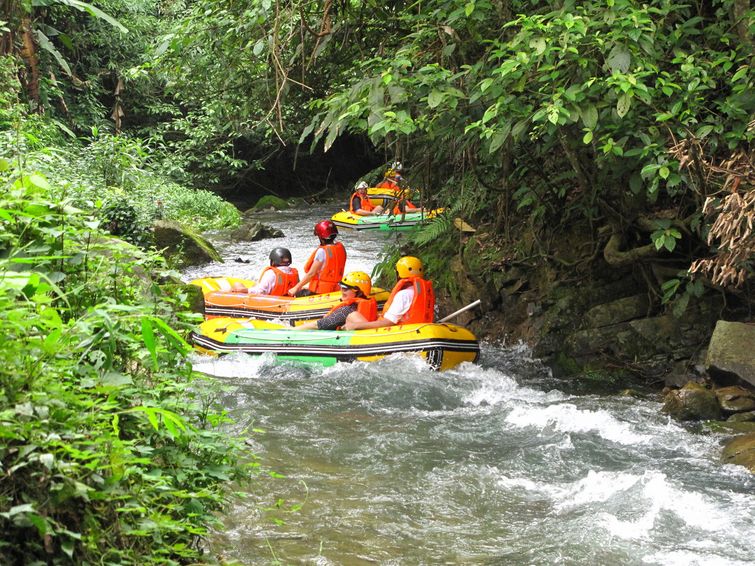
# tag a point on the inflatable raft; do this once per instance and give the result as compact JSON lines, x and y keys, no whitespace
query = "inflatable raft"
{"x":443,"y":346}
{"x":406,"y":221}
{"x":383,"y":196}
{"x":220,"y":302}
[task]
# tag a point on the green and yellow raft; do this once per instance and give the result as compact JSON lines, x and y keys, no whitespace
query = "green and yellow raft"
{"x":405,"y":221}
{"x":443,"y":346}
{"x":219,"y":301}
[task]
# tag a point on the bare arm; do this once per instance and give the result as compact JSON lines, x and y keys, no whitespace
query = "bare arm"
{"x":360,"y":323}
{"x":313,"y":270}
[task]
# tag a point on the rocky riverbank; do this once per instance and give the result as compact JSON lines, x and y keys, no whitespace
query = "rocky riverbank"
{"x":583,"y":317}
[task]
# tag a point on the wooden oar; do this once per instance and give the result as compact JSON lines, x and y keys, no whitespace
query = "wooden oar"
{"x":461,"y":310}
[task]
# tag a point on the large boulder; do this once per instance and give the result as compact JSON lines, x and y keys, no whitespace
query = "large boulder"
{"x":732,"y":351}
{"x":620,"y":310}
{"x":740,"y":450}
{"x":183,"y":245}
{"x":693,"y":402}
{"x":271,"y":202}
{"x":251,"y":231}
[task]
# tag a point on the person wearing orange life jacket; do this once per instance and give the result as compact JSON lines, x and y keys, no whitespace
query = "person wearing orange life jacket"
{"x":360,"y":204}
{"x":276,"y":279}
{"x":392,"y":181}
{"x":324,"y":268}
{"x":355,"y":301}
{"x":412,"y":299}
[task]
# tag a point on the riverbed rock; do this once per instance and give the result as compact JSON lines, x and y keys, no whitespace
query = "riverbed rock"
{"x":748,"y":417}
{"x":732,"y":351}
{"x":620,"y":310}
{"x":252,"y":231}
{"x":693,"y":402}
{"x":735,"y":399}
{"x":182,"y":244}
{"x":740,"y":450}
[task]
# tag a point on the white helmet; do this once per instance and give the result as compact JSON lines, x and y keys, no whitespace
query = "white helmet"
{"x":397,"y":166}
{"x":361,"y":185}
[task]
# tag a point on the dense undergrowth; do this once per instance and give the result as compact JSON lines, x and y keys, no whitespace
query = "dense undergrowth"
{"x":112,"y":449}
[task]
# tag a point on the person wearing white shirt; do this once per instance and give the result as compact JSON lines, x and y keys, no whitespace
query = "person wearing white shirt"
{"x":404,"y":305}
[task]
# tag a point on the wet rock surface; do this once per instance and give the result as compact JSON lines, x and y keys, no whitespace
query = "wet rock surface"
{"x":732,"y":351}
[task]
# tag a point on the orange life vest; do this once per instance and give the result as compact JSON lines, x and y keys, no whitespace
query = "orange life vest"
{"x":283,"y":281}
{"x":332,"y":270}
{"x":422,"y":308}
{"x":364,"y":203}
{"x":388,"y":184}
{"x":367,"y":307}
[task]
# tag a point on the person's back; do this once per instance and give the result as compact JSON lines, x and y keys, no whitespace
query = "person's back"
{"x":276,"y":279}
{"x":325,"y":266}
{"x":412,"y":299}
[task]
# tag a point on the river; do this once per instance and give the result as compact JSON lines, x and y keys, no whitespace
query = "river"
{"x":494,"y":463}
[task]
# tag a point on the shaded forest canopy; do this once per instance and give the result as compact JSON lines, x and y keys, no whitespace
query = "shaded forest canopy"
{"x":628,"y":122}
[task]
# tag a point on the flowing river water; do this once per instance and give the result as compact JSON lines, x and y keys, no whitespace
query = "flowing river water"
{"x":490,"y":463}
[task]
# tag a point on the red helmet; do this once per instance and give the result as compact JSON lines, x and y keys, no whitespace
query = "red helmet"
{"x":325,"y":230}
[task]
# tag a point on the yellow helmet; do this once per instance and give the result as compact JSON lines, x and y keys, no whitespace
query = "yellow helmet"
{"x":359,"y":280}
{"x":409,"y":266}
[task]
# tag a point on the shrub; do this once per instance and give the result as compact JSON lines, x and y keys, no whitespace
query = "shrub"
{"x":111,"y":450}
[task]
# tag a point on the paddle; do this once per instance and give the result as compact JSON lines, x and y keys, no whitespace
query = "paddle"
{"x":461,"y":310}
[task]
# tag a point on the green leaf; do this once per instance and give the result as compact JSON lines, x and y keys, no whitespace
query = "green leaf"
{"x":435,"y":98}
{"x":94,"y":11}
{"x":619,"y":59}
{"x":45,"y":44}
{"x":40,"y":182}
{"x":664,"y":172}
{"x":623,"y":104}
{"x":587,"y":138}
{"x":116,"y":379}
{"x":589,"y":115}
{"x":149,"y":339}
{"x":469,"y":8}
{"x":703,"y":131}
{"x":173,"y":337}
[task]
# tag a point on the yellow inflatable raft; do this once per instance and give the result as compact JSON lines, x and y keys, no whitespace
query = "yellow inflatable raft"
{"x":443,"y":346}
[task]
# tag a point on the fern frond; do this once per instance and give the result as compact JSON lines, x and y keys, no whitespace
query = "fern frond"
{"x":433,"y":230}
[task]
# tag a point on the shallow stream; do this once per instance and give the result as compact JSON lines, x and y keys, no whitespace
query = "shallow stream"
{"x":493,"y":463}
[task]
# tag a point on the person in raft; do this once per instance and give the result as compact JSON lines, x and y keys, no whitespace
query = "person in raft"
{"x":360,"y":203}
{"x":412,"y":299}
{"x":355,"y":301}
{"x":324,"y":268}
{"x":392,"y":180}
{"x":276,"y":279}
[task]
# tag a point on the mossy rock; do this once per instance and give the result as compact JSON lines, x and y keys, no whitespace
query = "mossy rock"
{"x":183,"y":244}
{"x":740,"y":450}
{"x":270,"y":201}
{"x":693,"y":402}
{"x":736,"y":399}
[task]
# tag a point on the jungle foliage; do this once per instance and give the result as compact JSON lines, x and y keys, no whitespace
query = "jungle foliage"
{"x":610,"y":117}
{"x":113,"y":450}
{"x":542,"y":116}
